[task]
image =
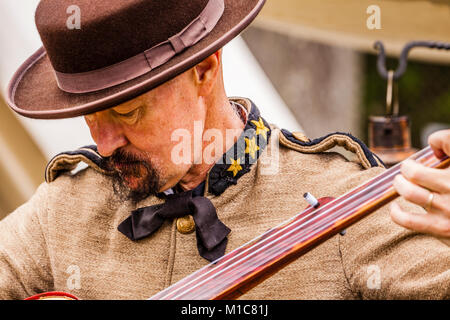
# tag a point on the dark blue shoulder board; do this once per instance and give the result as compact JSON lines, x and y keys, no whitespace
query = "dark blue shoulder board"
{"x":67,"y":161}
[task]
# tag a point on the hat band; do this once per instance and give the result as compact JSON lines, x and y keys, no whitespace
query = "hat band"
{"x":148,"y":60}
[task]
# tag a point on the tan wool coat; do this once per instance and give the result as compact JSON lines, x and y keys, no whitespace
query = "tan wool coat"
{"x":65,"y":237}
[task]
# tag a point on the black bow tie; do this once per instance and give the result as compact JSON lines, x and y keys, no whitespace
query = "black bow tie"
{"x":210,"y":231}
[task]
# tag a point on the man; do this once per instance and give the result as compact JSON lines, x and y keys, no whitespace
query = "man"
{"x":124,"y":227}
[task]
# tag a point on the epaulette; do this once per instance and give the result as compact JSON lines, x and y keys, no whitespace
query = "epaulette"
{"x":298,"y":141}
{"x":67,"y":161}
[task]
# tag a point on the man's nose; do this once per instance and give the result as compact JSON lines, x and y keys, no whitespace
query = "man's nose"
{"x":107,"y":134}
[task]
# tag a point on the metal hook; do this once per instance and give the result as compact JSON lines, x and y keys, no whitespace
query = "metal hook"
{"x":403,"y":60}
{"x":389,"y":94}
{"x":392,"y":106}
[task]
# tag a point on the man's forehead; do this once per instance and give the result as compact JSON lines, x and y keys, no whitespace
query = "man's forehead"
{"x":151,"y":95}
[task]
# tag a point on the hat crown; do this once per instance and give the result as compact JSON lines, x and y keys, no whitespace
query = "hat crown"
{"x":85,"y":35}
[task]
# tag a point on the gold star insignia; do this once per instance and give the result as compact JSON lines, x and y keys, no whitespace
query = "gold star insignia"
{"x":235,"y":166}
{"x":261,"y":128}
{"x":252,"y":147}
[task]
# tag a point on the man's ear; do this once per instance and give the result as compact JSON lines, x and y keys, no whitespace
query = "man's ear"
{"x":206,"y":72}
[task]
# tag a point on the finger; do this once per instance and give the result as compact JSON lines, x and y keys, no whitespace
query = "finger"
{"x":411,"y":192}
{"x":433,"y":179}
{"x":440,"y":143}
{"x":425,"y":223}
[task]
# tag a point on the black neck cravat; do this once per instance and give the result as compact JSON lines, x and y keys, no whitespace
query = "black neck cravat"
{"x":210,"y":231}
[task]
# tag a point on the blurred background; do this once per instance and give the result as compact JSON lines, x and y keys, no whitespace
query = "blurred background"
{"x":309,"y":65}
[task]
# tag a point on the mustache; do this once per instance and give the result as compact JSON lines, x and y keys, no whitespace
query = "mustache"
{"x":125,"y":164}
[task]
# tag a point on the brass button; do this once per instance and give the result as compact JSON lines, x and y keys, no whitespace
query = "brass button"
{"x":301,"y":137}
{"x":185,"y":224}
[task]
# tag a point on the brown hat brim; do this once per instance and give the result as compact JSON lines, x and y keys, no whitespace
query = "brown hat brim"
{"x":33,"y":91}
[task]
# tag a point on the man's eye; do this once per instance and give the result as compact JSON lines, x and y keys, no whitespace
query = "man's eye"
{"x":127,"y":115}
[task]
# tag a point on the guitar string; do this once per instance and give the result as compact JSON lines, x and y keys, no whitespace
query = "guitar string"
{"x":308,"y":230}
{"x":222,"y":266}
{"x":387,"y":175}
{"x":287,"y":244}
{"x":280,"y":246}
{"x":200,"y":274}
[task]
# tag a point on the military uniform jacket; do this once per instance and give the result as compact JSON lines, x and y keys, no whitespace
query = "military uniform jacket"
{"x":65,"y":237}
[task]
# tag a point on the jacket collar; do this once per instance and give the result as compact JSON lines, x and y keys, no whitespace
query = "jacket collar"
{"x":238,"y":160}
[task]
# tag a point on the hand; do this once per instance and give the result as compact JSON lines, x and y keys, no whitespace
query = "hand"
{"x":428,"y":188}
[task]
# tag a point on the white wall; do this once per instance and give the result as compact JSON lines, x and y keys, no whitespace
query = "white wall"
{"x":19,"y":39}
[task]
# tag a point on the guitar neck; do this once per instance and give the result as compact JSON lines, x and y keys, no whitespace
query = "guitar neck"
{"x":245,"y":267}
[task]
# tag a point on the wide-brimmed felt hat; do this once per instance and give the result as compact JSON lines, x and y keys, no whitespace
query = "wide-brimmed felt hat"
{"x":98,"y":54}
